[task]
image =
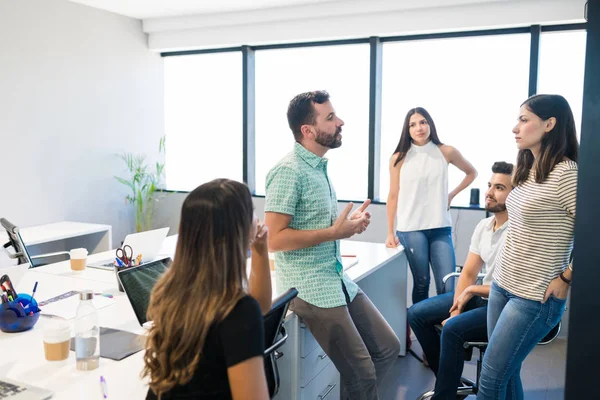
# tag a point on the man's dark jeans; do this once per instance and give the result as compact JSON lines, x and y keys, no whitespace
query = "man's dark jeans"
{"x":446,"y":355}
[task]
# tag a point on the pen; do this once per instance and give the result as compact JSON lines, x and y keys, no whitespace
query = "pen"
{"x":348,"y":255}
{"x":104,"y":390}
{"x":34,"y":289}
{"x":119,"y":262}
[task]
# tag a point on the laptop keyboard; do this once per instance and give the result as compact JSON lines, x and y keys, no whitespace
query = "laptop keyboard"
{"x":8,"y":390}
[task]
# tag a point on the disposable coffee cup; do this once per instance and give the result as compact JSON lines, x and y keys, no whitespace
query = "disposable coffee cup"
{"x":78,"y":259}
{"x":57,"y":334}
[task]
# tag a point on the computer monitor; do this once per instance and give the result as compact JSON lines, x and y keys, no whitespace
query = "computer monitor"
{"x":16,"y":242}
{"x":138,"y":283}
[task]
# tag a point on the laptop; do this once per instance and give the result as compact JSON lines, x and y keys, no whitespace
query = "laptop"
{"x":138,"y":283}
{"x":13,"y":390}
{"x":146,"y":243}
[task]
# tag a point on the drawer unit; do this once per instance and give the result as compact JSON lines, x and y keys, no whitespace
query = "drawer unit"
{"x":326,"y":385}
{"x":307,"y":341}
{"x":312,"y":365}
{"x":284,"y":365}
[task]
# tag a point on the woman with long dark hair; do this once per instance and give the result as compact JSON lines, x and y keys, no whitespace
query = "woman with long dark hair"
{"x":418,"y":202}
{"x":532,"y":274}
{"x":207,"y":337}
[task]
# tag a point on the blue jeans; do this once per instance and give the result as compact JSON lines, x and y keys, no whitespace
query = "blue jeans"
{"x":446,"y":355}
{"x":515,"y":326}
{"x":423,"y":247}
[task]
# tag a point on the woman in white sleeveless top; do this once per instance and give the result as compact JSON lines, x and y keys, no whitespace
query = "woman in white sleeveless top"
{"x":419,"y":202}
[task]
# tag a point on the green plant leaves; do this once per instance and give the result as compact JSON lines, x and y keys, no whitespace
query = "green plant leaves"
{"x":143,"y":183}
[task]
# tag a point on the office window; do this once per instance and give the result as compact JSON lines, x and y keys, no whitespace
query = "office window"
{"x":341,"y":70}
{"x":203,"y":119}
{"x":562,"y":68}
{"x":472,"y":87}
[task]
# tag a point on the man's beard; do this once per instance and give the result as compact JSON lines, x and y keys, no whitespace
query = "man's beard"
{"x":496,"y":209}
{"x":330,"y":141}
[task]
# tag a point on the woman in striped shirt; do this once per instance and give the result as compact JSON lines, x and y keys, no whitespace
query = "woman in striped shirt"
{"x":532,"y":274}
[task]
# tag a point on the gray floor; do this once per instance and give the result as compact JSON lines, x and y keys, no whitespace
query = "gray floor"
{"x":543,"y":374}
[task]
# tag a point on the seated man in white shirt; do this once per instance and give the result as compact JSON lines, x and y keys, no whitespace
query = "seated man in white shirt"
{"x":464,"y":311}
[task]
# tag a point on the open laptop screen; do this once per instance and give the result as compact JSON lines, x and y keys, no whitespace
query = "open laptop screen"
{"x":138,"y":283}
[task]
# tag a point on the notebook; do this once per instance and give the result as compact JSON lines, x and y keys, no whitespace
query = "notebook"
{"x":65,"y":305}
{"x":348,"y":262}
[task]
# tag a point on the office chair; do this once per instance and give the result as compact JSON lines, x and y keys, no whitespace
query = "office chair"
{"x":468,"y":387}
{"x":19,"y":250}
{"x":275,"y":337}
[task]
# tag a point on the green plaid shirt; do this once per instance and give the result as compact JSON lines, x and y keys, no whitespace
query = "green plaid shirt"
{"x":299,"y":186}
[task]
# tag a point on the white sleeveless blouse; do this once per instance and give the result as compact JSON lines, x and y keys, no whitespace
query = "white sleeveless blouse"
{"x":423,"y":198}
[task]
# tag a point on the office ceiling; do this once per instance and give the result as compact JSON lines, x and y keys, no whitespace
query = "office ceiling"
{"x":142,"y":9}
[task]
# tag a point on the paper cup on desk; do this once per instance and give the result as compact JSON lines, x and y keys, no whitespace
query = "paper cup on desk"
{"x":57,"y":334}
{"x":78,"y":259}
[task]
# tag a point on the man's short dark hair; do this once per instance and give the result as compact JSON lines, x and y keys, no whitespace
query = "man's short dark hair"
{"x":501,"y":167}
{"x":301,"y":110}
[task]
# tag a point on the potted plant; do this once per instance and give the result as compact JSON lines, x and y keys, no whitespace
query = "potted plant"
{"x":143,"y":182}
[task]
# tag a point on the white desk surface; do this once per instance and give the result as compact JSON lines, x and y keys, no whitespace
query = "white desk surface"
{"x":23,"y":353}
{"x":58,"y":231}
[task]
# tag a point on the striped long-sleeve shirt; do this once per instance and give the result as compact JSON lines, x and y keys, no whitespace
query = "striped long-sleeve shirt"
{"x":540,"y":232}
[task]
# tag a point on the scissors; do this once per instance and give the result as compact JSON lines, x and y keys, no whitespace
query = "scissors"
{"x":125,"y":254}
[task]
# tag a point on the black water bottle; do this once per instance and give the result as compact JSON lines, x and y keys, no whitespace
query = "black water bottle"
{"x":474,"y":197}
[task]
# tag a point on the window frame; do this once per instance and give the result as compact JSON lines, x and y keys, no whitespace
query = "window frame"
{"x":375,"y":79}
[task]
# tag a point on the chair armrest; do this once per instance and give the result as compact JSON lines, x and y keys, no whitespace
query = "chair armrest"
{"x":58,"y":253}
{"x":450,"y":275}
{"x":455,"y":274}
{"x":278,"y":343}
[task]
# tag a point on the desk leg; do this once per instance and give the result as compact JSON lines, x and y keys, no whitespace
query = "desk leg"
{"x":386,"y":288}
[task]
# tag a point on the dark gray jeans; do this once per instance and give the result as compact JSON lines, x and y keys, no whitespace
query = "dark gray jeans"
{"x":361,"y":344}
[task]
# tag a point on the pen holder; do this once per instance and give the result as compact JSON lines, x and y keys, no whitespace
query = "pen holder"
{"x":16,"y":315}
{"x":118,"y":281}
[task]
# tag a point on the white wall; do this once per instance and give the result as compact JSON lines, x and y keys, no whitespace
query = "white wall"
{"x":77,"y":85}
{"x":358,"y":18}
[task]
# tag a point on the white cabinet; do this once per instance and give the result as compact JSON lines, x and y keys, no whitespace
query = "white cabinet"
{"x":312,"y":365}
{"x":326,"y":385}
{"x":287,"y":363}
{"x":305,"y":371}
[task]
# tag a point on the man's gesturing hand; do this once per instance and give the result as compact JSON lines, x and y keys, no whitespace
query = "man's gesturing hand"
{"x":347,"y":225}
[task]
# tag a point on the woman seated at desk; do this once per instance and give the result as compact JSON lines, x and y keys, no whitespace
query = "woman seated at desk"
{"x":207,"y":338}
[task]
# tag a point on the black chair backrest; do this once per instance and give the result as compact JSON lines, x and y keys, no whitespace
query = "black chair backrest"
{"x":15,"y":241}
{"x":273,"y":322}
{"x":274,"y":318}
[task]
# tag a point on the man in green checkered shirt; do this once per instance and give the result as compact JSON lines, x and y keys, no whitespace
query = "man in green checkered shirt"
{"x":305,"y":232}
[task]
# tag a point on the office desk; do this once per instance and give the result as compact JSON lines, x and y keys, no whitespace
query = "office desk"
{"x":64,"y":236}
{"x":381,"y":273}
